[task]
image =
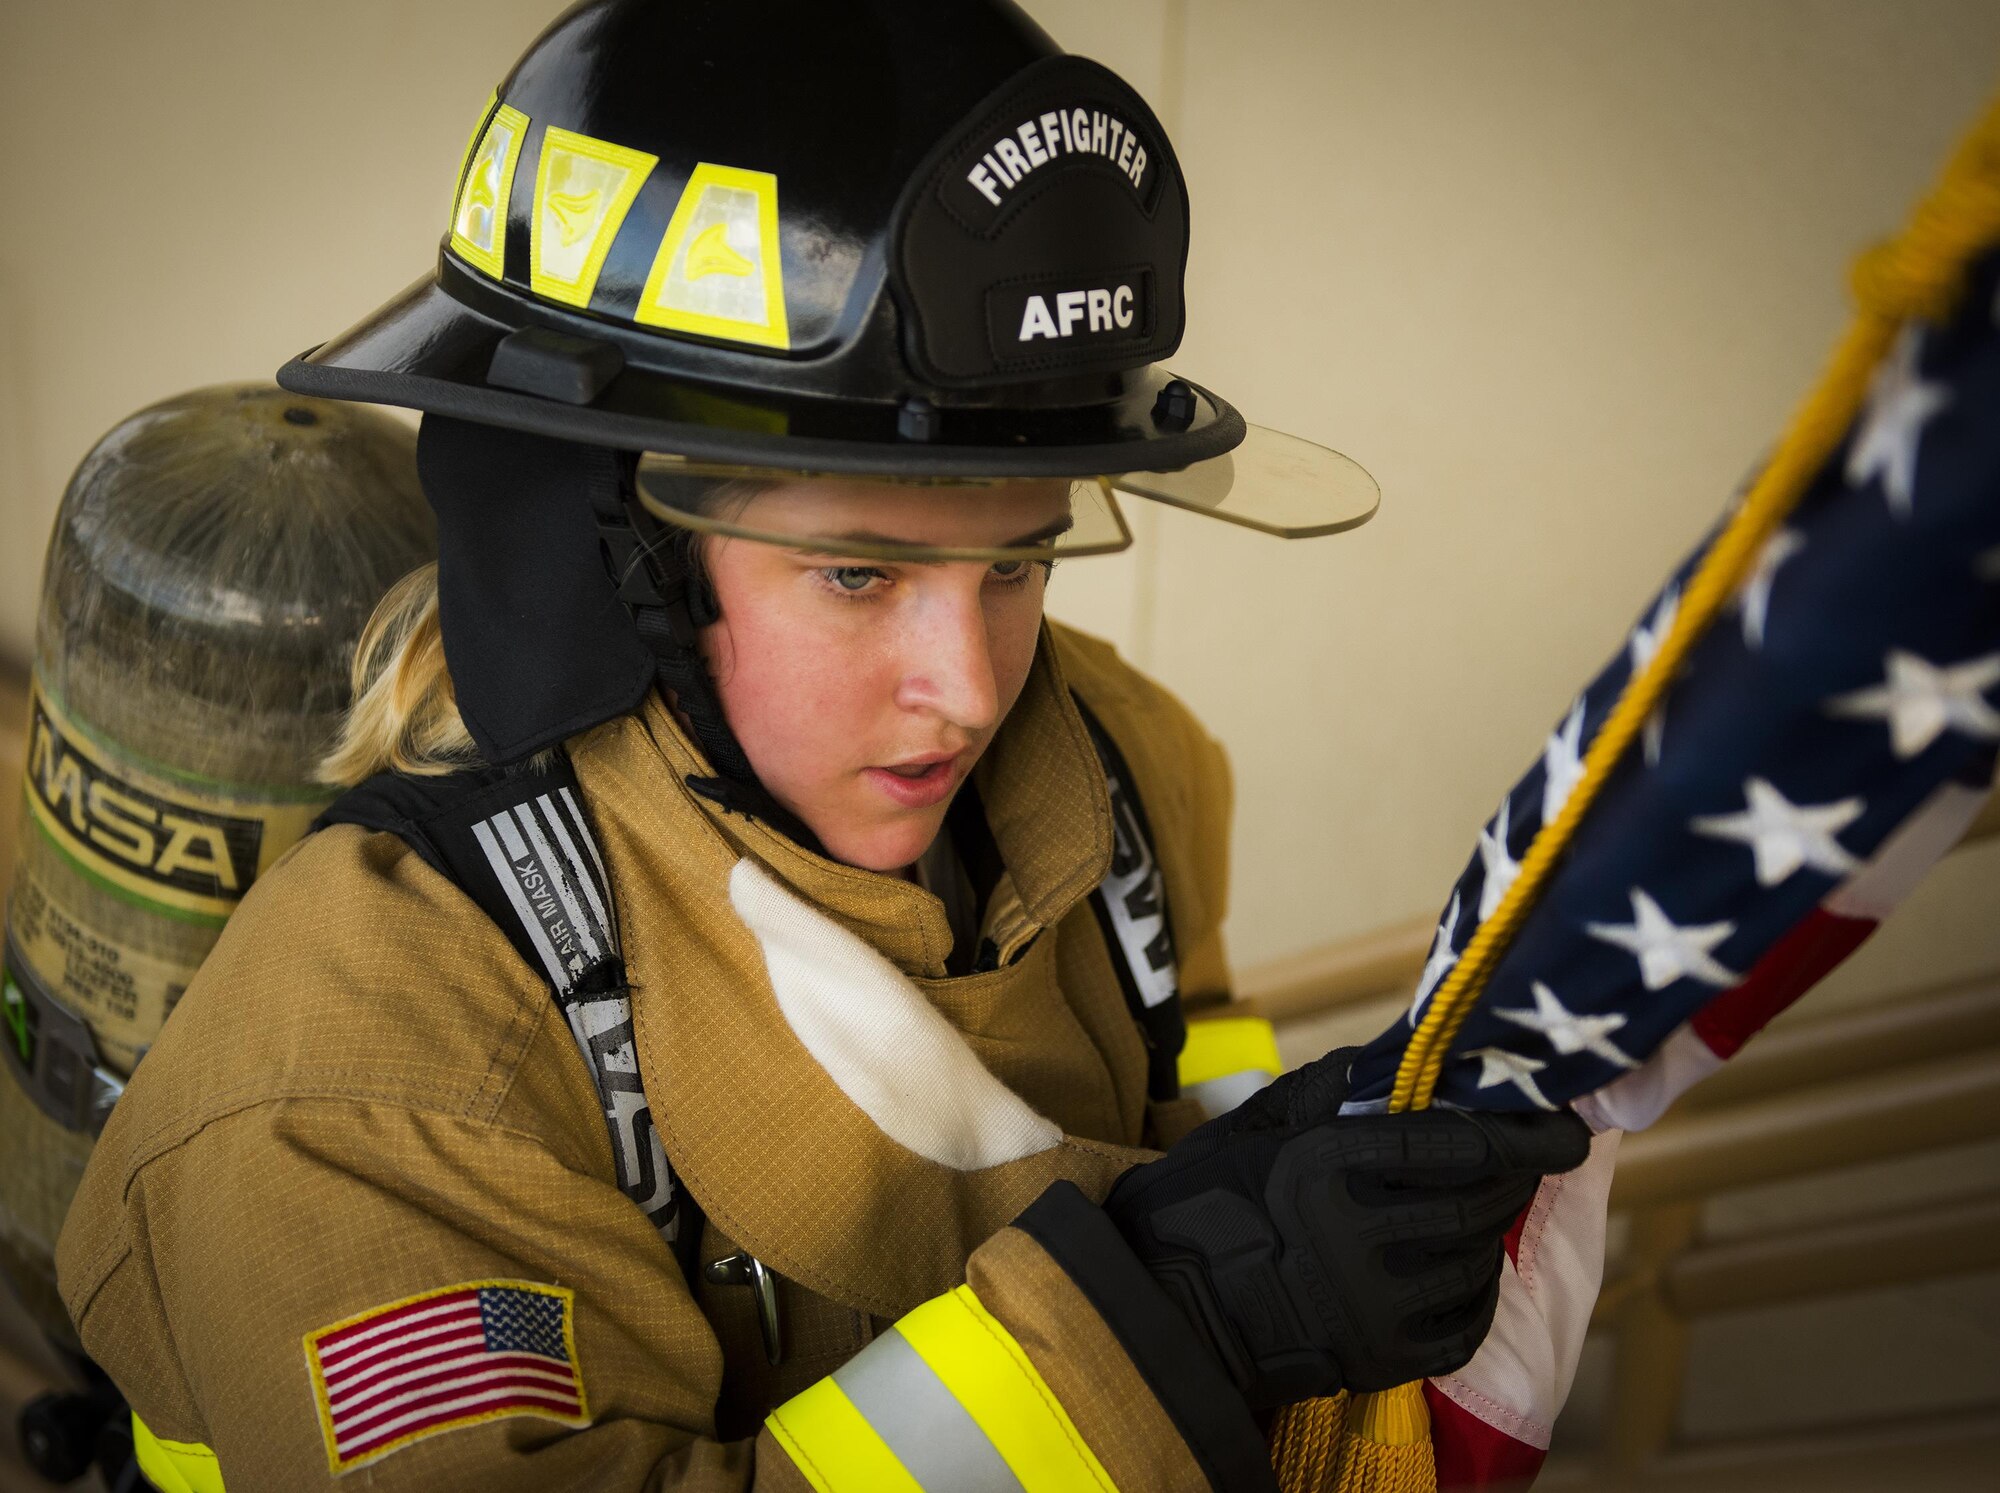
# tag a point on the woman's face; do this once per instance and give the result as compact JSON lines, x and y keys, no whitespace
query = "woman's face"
{"x":863,"y":691}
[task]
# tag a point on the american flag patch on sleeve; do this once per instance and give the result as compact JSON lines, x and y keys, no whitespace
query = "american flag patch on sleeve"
{"x":453,"y":1357}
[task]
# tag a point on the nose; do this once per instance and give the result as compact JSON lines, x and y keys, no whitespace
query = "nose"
{"x":948,"y":661}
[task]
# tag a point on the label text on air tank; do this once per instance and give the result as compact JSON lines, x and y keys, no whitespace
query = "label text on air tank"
{"x":100,"y":818}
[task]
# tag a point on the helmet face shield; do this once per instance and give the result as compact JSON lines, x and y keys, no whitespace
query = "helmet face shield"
{"x":1272,"y":482}
{"x":920,"y":521}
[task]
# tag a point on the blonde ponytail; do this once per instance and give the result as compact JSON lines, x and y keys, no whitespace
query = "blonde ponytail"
{"x":405,"y":712}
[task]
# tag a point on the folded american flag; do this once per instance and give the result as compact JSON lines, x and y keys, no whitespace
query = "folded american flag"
{"x":430,"y":1363}
{"x":1825,"y":741}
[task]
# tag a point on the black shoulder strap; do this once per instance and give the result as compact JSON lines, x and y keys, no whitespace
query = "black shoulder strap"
{"x":517,"y":841}
{"x":1131,"y":908}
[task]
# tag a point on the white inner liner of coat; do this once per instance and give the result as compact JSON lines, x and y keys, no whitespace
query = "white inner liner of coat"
{"x":880,"y":1040}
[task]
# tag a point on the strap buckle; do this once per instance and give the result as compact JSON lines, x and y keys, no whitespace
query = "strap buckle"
{"x":745,"y":1269}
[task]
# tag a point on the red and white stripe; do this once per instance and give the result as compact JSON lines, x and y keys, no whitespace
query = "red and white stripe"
{"x":1791,"y":967}
{"x":1491,"y":1421}
{"x":423,"y":1367}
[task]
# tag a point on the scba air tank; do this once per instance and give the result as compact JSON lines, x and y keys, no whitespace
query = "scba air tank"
{"x":214,"y":560}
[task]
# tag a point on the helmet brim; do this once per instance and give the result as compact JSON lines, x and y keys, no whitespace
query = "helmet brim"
{"x":1156,"y":435}
{"x":429,"y":350}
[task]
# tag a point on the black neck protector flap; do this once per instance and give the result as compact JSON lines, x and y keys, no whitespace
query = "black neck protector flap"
{"x":541,"y":637}
{"x":538,"y":644}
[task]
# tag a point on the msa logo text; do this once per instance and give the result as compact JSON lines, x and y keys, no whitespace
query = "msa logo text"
{"x":1103,"y":309}
{"x":177,"y":845}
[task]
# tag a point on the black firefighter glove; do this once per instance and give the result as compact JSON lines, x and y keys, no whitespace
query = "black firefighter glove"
{"x":1306,"y":1252}
{"x":1314,"y":1253}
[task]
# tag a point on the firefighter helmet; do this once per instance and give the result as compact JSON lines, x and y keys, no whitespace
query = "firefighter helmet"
{"x":875,"y":237}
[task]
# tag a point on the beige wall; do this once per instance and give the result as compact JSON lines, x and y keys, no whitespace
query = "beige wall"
{"x":1553,"y":272}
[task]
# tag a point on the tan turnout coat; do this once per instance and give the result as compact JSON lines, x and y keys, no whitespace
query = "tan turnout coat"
{"x":367,"y":1095}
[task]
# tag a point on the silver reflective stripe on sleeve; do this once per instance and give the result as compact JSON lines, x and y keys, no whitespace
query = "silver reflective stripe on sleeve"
{"x":945,"y":1400}
{"x":920,"y":1420}
{"x":1218,"y":1096}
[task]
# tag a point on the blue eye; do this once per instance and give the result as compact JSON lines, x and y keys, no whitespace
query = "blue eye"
{"x":1006,"y":570}
{"x":851,"y":579}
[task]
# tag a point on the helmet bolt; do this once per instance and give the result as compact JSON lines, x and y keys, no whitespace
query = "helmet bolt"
{"x":917,"y":420}
{"x":1174,"y":409}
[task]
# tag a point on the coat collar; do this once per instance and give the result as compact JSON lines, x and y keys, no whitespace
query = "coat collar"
{"x":771,"y":1145}
{"x":1045,"y":800}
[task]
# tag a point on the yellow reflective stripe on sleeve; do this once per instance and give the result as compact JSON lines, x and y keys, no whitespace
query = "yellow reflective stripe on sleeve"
{"x":836,"y":1449}
{"x":175,"y":1466}
{"x":1229,"y":1044}
{"x":986,"y":1372}
{"x":944,"y":1400}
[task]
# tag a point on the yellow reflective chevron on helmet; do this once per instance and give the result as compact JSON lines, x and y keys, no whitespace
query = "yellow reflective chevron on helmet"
{"x":479,"y":218}
{"x":583,"y":189}
{"x":711,"y":255}
{"x":471,"y":144}
{"x":719,"y":272}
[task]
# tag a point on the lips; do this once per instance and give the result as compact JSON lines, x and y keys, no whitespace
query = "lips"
{"x":919,"y":783}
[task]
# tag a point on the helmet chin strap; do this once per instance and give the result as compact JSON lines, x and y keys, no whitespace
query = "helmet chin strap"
{"x":662,"y":583}
{"x":670,"y":602}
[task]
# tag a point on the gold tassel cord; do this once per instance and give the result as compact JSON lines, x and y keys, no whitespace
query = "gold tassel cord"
{"x":1358,"y":1444}
{"x":1304,"y":1447}
{"x":1385,"y":1444}
{"x":1340,"y":1445}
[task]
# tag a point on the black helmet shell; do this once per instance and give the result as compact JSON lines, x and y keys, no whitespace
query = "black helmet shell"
{"x":866,"y":235}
